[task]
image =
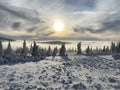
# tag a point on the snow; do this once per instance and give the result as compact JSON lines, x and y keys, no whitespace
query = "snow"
{"x":63,"y":73}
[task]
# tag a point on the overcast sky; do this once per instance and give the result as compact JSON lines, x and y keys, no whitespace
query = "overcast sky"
{"x":83,"y":19}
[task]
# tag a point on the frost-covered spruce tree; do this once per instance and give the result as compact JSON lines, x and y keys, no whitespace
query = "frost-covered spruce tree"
{"x":79,"y":48}
{"x":9,"y":55}
{"x":62,"y":50}
{"x":35,"y":49}
{"x":104,"y":49}
{"x":91,"y":50}
{"x":43,"y":52}
{"x":113,"y":47}
{"x":1,"y":49}
{"x":9,"y":49}
{"x":88,"y":50}
{"x":24,"y":50}
{"x":49,"y":52}
{"x":118,"y":47}
{"x":55,"y":51}
{"x":96,"y":50}
{"x":107,"y":49}
{"x":18,"y":51}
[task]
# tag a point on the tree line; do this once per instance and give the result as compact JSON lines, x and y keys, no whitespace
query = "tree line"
{"x":36,"y":50}
{"x":36,"y":53}
{"x":112,"y":49}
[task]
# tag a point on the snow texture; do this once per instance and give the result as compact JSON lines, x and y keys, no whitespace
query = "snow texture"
{"x":63,"y":73}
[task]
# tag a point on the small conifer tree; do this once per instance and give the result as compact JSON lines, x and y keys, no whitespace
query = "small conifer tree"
{"x":62,"y":50}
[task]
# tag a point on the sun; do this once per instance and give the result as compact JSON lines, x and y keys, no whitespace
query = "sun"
{"x":58,"y":26}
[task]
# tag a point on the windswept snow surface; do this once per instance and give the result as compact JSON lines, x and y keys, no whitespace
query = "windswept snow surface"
{"x":62,"y":73}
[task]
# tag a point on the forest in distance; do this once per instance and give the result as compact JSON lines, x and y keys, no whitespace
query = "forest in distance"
{"x":36,"y":52}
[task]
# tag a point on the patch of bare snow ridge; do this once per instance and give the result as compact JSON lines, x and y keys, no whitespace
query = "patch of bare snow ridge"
{"x":62,"y":73}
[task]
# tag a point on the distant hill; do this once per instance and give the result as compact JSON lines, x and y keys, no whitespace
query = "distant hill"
{"x":6,"y":39}
{"x":55,"y":42}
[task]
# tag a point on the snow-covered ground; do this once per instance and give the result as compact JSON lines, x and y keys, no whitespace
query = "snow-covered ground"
{"x":62,"y":73}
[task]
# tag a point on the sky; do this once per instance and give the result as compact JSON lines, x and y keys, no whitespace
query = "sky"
{"x":82,"y":19}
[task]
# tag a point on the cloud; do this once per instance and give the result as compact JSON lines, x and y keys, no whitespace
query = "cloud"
{"x":100,"y":25}
{"x":16,"y":25}
{"x":48,"y":34}
{"x":21,"y":22}
{"x":85,"y":19}
{"x":32,"y":29}
{"x":13,"y":16}
{"x":80,"y":5}
{"x":20,"y":12}
{"x":101,"y":20}
{"x":17,"y":37}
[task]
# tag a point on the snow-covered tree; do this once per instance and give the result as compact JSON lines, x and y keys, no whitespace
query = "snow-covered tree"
{"x":43,"y":52}
{"x":40,"y":51}
{"x":107,"y":49}
{"x":79,"y":48}
{"x":1,"y":49}
{"x":55,"y":51}
{"x":9,"y":49}
{"x":25,"y":49}
{"x":113,"y":47}
{"x":118,"y":47}
{"x":62,"y":50}
{"x":104,"y":49}
{"x":88,"y":50}
{"x":49,"y":52}
{"x":18,"y":50}
{"x":91,"y":50}
{"x":35,"y":49}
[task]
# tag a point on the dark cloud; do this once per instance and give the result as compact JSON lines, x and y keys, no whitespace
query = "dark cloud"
{"x":32,"y":29}
{"x":75,"y":5}
{"x":16,"y":25}
{"x":47,"y":34}
{"x":111,"y":26}
{"x":82,"y":29}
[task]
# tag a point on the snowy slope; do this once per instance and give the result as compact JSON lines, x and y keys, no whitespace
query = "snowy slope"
{"x":73,"y":73}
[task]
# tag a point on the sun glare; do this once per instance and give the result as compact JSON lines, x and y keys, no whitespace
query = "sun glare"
{"x":58,"y":26}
